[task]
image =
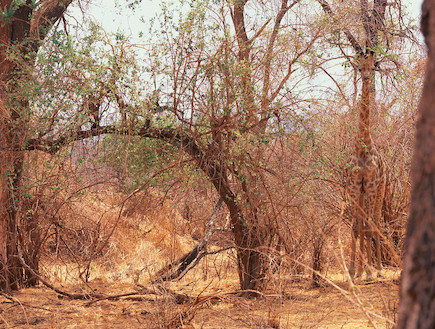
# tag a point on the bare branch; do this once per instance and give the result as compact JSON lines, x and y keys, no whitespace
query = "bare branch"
{"x":266,"y":81}
{"x":184,"y":261}
{"x":327,"y":9}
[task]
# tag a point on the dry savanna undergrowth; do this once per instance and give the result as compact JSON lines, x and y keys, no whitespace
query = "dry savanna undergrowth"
{"x":108,"y":247}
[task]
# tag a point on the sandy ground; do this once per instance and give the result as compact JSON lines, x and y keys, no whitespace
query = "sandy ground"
{"x":368,"y":305}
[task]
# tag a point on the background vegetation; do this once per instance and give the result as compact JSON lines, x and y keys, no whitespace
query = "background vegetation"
{"x":119,"y":150}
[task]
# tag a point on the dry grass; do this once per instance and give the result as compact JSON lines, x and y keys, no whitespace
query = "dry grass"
{"x":297,"y":307}
{"x":149,"y":234}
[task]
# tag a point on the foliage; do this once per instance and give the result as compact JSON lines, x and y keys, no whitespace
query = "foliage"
{"x":254,"y":102}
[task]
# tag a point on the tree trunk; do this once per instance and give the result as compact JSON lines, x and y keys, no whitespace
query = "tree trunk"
{"x":246,"y":236}
{"x":9,"y":266}
{"x":250,"y":263}
{"x":317,"y":261}
{"x":417,"y":290}
{"x":11,"y":168}
{"x":23,"y":32}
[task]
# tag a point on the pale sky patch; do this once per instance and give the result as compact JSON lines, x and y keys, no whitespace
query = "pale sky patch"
{"x":114,"y":16}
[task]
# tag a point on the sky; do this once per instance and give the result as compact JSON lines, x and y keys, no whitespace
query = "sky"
{"x":113,"y":16}
{"x":108,"y":14}
{"x":415,"y":6}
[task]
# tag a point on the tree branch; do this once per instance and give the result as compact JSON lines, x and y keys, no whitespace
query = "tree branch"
{"x":60,"y":292}
{"x":184,"y":261}
{"x":355,"y":45}
{"x":44,"y":18}
{"x":269,"y":52}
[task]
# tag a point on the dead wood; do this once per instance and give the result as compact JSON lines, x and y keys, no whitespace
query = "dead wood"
{"x":15,"y":302}
{"x":50,"y":286}
{"x":160,"y":291}
{"x":181,"y":265}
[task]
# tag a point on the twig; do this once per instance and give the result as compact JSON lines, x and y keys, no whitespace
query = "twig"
{"x":17,"y":301}
{"x":347,"y":295}
{"x":113,"y":297}
{"x":5,"y":322}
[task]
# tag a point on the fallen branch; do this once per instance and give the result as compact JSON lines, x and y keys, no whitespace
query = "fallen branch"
{"x":17,"y":302}
{"x":198,"y":259}
{"x":182,"y":264}
{"x":179,"y":298}
{"x":60,"y":292}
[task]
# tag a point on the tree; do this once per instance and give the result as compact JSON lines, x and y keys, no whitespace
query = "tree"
{"x":417,"y":302}
{"x":223,"y":102}
{"x":219,"y":88}
{"x":219,"y":97}
{"x":24,"y":25}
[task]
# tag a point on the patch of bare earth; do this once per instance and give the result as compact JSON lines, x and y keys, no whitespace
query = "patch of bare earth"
{"x":211,"y":306}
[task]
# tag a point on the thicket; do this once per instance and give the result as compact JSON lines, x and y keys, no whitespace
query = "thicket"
{"x":249,"y":102}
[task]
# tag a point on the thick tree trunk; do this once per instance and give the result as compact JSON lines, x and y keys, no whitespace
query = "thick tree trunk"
{"x":5,"y":32}
{"x":11,"y":167}
{"x":246,"y":237}
{"x":11,"y":162}
{"x":4,"y":219}
{"x":9,"y":268}
{"x":417,"y":290}
{"x":250,"y":263}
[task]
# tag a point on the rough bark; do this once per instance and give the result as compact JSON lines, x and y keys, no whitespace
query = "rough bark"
{"x":317,"y":261}
{"x":24,"y":30}
{"x":417,"y":290}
